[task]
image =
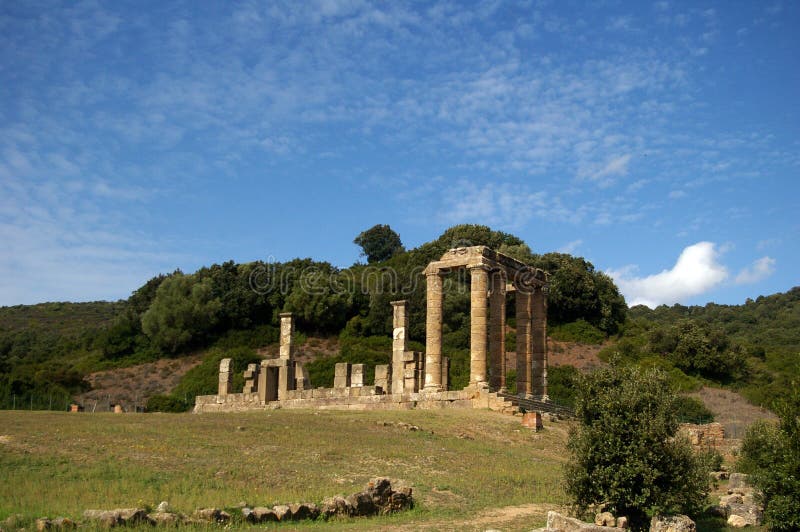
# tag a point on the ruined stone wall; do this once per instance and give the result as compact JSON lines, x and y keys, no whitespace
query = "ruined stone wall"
{"x":708,"y":436}
{"x":355,"y":398}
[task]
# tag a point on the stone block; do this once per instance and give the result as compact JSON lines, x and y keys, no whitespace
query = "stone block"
{"x":382,"y":376}
{"x":357,"y":375}
{"x":533,"y":421}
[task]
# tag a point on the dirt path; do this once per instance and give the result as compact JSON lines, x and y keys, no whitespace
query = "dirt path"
{"x":506,"y":518}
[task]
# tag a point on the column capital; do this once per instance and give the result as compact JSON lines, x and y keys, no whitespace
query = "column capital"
{"x":399,"y":303}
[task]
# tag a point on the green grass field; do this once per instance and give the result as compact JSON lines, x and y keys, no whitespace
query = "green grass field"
{"x":463,"y":464}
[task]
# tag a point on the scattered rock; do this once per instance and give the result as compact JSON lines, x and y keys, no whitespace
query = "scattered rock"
{"x":167,"y":519}
{"x":750,"y":513}
{"x":556,"y":521}
{"x":605,"y":519}
{"x":622,"y":522}
{"x":737,"y":483}
{"x":727,"y":500}
{"x":737,"y":521}
{"x":332,"y":506}
{"x":672,"y":523}
{"x":118,"y":517}
{"x":301,"y":512}
{"x":259,"y":514}
{"x":212,"y":515}
{"x":361,"y":504}
{"x":60,"y":523}
{"x":282,"y":512}
{"x":719,"y":475}
{"x":162,"y":507}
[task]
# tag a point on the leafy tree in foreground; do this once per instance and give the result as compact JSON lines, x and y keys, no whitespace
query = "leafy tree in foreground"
{"x":624,"y":451}
{"x":379,"y":243}
{"x":771,"y":454}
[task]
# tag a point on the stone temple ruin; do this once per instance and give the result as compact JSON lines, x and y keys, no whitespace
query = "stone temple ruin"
{"x":415,"y":379}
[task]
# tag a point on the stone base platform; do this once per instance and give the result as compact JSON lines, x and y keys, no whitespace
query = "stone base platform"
{"x":356,"y":398}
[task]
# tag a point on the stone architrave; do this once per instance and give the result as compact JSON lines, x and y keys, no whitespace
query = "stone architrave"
{"x":539,"y":345}
{"x":497,"y":331}
{"x":479,"y":325}
{"x":225,"y":376}
{"x":433,"y":332}
{"x":399,"y":344}
{"x":287,"y":330}
{"x":523,"y":317}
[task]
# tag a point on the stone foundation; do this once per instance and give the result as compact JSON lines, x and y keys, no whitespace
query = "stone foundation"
{"x":355,"y":398}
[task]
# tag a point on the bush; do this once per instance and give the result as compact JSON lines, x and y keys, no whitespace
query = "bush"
{"x":166,"y":403}
{"x":579,"y":331}
{"x":771,"y":455}
{"x":561,"y":382}
{"x":691,"y":410}
{"x":624,"y":451}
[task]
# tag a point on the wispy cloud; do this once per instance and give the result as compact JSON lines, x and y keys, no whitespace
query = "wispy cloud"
{"x":758,"y":271}
{"x":571,"y":247}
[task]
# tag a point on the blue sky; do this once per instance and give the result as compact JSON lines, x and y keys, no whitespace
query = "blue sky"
{"x":660,"y":140}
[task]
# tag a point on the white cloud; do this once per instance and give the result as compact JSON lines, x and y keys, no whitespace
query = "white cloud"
{"x":759,"y":270}
{"x":696,"y":271}
{"x":677,"y":194}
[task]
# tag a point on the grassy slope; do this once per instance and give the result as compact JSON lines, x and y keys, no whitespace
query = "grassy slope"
{"x":461,"y":464}
{"x":59,"y":318}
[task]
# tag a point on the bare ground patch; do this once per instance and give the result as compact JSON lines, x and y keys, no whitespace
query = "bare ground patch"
{"x":132,"y":386}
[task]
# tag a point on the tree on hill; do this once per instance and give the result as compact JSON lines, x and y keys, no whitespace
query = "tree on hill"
{"x":378,"y":243}
{"x":624,"y":452}
{"x":182,"y":313}
{"x":578,"y":291}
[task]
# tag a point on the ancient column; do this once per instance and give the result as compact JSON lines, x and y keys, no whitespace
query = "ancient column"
{"x":433,"y":333}
{"x":287,"y":329}
{"x":539,"y":345}
{"x":225,"y":376}
{"x":478,"y":325}
{"x":523,"y":315}
{"x":497,"y":332}
{"x":399,"y":343}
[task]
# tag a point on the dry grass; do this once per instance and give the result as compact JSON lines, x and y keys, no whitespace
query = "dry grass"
{"x":731,"y":409}
{"x":462,"y":464}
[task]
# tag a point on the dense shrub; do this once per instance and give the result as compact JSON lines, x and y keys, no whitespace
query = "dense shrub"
{"x":579,"y":331}
{"x":624,"y":451}
{"x":771,"y":455}
{"x":167,"y":403}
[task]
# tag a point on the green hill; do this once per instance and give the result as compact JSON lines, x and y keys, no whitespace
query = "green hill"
{"x":232,"y":309}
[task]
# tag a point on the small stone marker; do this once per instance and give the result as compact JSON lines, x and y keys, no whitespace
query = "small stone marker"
{"x":532,"y":420}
